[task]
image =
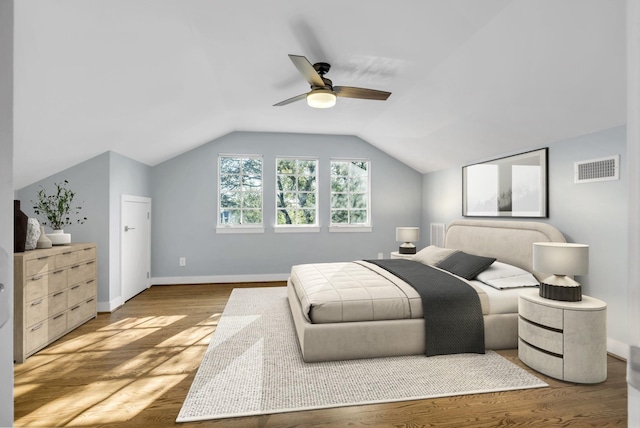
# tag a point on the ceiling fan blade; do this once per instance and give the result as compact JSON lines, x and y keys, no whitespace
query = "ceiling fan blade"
{"x":367,"y":94}
{"x":304,"y":66}
{"x":291,"y":100}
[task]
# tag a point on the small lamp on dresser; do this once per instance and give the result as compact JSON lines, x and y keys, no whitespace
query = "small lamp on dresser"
{"x":407,"y":235}
{"x":563,"y":260}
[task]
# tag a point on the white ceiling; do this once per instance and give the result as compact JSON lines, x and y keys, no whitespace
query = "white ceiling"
{"x":470,"y":79}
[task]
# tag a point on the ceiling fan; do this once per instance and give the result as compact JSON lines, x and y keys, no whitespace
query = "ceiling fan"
{"x":323,"y":94}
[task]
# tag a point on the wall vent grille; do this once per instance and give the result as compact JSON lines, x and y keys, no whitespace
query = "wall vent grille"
{"x":602,"y":169}
{"x":437,"y":234}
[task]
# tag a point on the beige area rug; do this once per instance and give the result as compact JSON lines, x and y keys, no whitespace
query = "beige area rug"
{"x":253,"y":366}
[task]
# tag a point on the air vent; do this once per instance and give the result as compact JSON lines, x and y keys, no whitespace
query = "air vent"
{"x":437,"y":234}
{"x":603,"y":169}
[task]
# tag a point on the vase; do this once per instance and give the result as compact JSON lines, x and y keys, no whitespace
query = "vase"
{"x":58,"y":237}
{"x":20,"y":221}
{"x":43,"y":240}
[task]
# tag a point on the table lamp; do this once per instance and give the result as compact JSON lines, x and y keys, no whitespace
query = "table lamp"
{"x":563,"y":260}
{"x":407,"y":235}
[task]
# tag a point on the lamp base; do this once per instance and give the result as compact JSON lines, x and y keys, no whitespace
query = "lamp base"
{"x":406,"y":250}
{"x":559,"y":292}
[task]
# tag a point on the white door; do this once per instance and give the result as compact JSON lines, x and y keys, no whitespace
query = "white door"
{"x":135,"y":245}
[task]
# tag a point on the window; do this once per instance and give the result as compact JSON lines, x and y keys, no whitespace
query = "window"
{"x":350,"y":193}
{"x":240,"y":190}
{"x":296,"y":192}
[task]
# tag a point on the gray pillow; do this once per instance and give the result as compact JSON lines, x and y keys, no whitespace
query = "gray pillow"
{"x":432,"y":255}
{"x":465,"y":265}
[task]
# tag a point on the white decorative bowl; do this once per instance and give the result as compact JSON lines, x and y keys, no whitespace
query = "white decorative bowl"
{"x":58,"y":237}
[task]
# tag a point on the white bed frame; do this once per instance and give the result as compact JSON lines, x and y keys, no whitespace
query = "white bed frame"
{"x":507,"y":241}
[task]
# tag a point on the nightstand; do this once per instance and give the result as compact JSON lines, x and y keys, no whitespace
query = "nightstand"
{"x":397,"y":255}
{"x":564,"y":340}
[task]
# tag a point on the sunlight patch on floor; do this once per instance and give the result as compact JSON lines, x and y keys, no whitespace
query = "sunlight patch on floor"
{"x":186,"y":337}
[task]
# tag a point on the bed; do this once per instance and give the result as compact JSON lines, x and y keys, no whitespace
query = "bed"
{"x":393,"y":324}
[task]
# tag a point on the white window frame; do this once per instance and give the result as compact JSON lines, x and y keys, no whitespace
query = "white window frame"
{"x":239,"y":228}
{"x":297,"y":228}
{"x":340,"y":227}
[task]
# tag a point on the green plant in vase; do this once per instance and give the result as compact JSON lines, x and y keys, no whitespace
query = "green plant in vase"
{"x":58,"y":210}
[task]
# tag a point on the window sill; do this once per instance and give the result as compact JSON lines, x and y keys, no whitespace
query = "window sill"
{"x":350,"y":229}
{"x":296,"y":229}
{"x":239,"y":229}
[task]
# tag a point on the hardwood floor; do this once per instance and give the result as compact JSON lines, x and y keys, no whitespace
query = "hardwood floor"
{"x":134,"y":368}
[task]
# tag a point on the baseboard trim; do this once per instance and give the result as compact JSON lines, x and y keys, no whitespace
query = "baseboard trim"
{"x":618,"y":349}
{"x":218,"y":279}
{"x":111,"y":305}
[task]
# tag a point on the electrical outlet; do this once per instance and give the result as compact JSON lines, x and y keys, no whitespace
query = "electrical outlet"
{"x":183,"y":261}
{"x":380,"y":255}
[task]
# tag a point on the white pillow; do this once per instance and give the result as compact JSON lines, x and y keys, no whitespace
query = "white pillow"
{"x":502,"y":276}
{"x":432,"y":255}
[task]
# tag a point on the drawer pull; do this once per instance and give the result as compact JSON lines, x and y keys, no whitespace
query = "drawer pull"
{"x":58,"y":293}
{"x":75,"y":267}
{"x":90,"y":300}
{"x":38,"y":327}
{"x":58,"y":316}
{"x":75,"y":307}
{"x":75,"y":286}
{"x":58,"y":271}
{"x":90,"y":263}
{"x":88,"y":249}
{"x":36,"y":278}
{"x":37,"y":303}
{"x":42,"y":258}
{"x":90,"y":281}
{"x":67,"y":253}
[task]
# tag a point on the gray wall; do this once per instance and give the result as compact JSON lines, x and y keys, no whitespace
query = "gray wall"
{"x":590,"y":213}
{"x":6,"y":207}
{"x":185,"y":198}
{"x":98,"y":183}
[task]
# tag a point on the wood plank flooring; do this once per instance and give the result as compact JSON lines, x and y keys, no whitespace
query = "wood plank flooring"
{"x":134,"y":367}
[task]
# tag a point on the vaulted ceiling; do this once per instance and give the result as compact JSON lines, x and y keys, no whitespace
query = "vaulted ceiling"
{"x":470,"y":79}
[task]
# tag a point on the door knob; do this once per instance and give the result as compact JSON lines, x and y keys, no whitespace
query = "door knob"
{"x":127,"y":228}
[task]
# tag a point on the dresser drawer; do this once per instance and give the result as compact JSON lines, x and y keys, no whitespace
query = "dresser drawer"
{"x":540,"y":361}
{"x":81,"y":292}
{"x":36,"y":336}
{"x":81,"y":272}
{"x":540,"y":337}
{"x":86,"y":254}
{"x":36,"y":288}
{"x":67,"y":258}
{"x":57,"y":325}
{"x":57,"y":280}
{"x":81,"y":312}
{"x":57,"y":302}
{"x":540,"y":314}
{"x":37,"y":311}
{"x":39,"y":266}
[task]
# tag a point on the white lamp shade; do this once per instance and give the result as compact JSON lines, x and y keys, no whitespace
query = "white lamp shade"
{"x":561,"y":258}
{"x":321,"y":98}
{"x":407,"y":234}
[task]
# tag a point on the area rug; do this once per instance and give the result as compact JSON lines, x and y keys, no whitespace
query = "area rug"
{"x":253,"y":366}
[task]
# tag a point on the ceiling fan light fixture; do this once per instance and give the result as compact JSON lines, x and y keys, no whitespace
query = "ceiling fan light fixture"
{"x":321,"y":98}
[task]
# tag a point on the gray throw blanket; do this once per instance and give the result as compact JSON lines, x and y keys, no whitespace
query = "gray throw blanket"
{"x":452,"y":312}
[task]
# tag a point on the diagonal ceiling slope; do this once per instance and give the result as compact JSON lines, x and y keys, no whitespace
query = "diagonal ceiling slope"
{"x":470,"y":79}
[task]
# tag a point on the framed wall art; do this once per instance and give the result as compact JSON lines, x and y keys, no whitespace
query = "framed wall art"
{"x":513,"y":186}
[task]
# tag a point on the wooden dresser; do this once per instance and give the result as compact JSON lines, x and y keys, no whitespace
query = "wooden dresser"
{"x":55,"y":291}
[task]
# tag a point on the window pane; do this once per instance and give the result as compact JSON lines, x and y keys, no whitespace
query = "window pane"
{"x":230,"y":216}
{"x":252,"y":216}
{"x":229,"y":182}
{"x":286,"y":166}
{"x":252,"y":166}
{"x":252,"y":200}
{"x":284,"y":217}
{"x":358,"y":168}
{"x":358,"y":216}
{"x":229,"y":165}
{"x":306,"y":217}
{"x":307,"y":200}
{"x":339,"y":216}
{"x":339,"y":184}
{"x":230,"y":200}
{"x":358,"y":201}
{"x":339,"y":200}
{"x":307,"y":167}
{"x":306,"y":183}
{"x":251,"y":182}
{"x":286,"y":182}
{"x":340,"y":168}
{"x":358,"y":185}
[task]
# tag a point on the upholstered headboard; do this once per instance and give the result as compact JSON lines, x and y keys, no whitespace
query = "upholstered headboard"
{"x":508,"y":241}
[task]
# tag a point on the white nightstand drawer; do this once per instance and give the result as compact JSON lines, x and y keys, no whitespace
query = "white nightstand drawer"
{"x":541,"y":314}
{"x":544,"y":363}
{"x":548,"y":340}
